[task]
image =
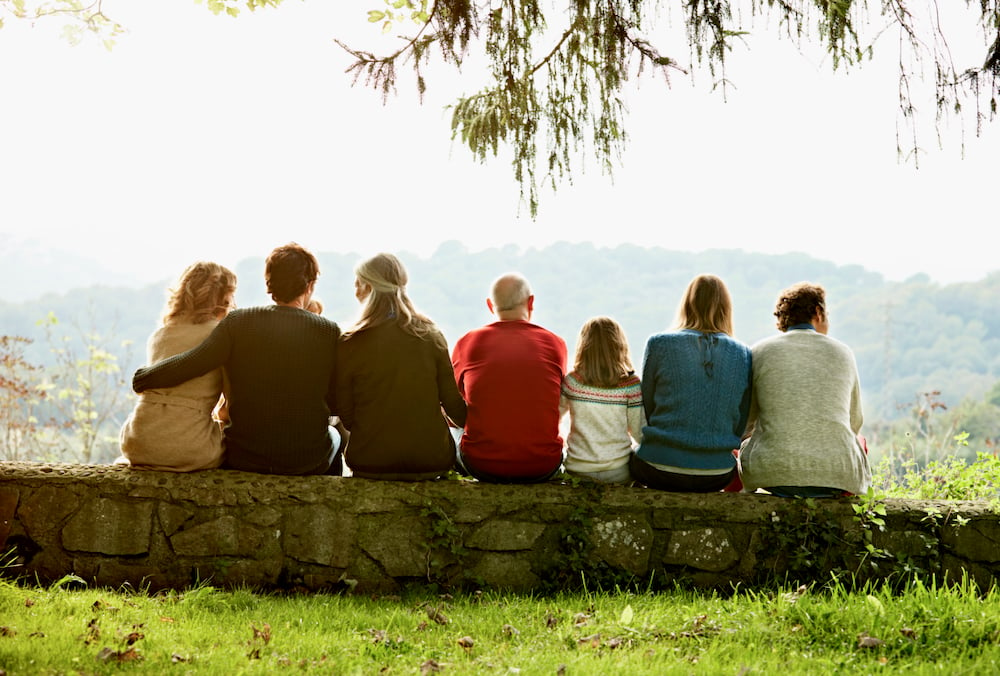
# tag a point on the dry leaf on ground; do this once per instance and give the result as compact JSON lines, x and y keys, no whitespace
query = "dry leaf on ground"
{"x":866,"y":641}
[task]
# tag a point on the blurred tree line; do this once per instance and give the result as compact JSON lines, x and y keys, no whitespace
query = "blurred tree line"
{"x":928,"y":354}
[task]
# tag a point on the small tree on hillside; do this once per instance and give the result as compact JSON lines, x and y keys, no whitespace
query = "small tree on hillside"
{"x":21,"y":397}
{"x":87,"y":390}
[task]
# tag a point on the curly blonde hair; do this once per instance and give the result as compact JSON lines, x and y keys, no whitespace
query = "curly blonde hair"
{"x":201,"y":294}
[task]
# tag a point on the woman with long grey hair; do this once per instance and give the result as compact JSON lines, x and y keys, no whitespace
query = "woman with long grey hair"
{"x":395,"y":382}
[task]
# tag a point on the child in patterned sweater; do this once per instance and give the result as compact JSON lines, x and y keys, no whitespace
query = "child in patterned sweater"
{"x":604,"y":401}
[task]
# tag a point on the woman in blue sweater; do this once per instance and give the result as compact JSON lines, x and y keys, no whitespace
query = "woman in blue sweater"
{"x":696,"y":383}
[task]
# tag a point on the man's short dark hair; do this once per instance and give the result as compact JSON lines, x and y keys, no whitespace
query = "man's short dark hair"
{"x":288,"y":271}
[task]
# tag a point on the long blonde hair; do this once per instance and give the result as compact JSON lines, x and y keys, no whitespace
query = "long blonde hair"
{"x":387,"y":300}
{"x":706,"y":306}
{"x":201,"y":294}
{"x":602,"y":354}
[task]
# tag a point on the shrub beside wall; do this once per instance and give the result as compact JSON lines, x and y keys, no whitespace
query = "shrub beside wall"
{"x":112,"y":525}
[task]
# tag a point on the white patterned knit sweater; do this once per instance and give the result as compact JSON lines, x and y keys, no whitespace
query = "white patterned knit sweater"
{"x":605,"y":423}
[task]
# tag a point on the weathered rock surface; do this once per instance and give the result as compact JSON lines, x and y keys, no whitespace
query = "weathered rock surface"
{"x":113,"y":525}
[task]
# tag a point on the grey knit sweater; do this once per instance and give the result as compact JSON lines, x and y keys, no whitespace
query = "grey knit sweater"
{"x":805,"y":415}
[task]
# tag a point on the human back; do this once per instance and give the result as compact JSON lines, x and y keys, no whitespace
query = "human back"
{"x":394,"y":378}
{"x":510,"y":374}
{"x":806,"y":417}
{"x":696,"y":395}
{"x":171,"y":428}
{"x":280,"y":360}
{"x":281,"y":366}
{"x":787,"y":369}
{"x":603,"y":398}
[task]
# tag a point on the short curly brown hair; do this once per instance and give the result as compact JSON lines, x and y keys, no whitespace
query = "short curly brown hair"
{"x":288,"y":271}
{"x":798,"y":304}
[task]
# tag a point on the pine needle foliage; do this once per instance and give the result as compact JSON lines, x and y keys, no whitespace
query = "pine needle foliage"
{"x":558,"y":69}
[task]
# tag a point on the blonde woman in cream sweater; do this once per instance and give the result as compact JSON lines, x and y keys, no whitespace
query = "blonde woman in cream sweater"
{"x":172,"y":428}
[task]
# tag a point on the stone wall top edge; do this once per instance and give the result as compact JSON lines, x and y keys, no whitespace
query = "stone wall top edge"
{"x":459,"y":492}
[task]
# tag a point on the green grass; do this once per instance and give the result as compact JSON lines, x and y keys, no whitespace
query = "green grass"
{"x":925,"y":629}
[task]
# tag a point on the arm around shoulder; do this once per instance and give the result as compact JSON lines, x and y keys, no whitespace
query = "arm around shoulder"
{"x":210,"y":354}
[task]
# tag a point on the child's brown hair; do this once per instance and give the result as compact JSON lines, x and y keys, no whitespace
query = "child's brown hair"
{"x":602,"y":355}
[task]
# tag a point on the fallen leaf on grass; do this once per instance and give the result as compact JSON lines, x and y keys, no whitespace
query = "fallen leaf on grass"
{"x":436,"y":615}
{"x":509,"y":631}
{"x":93,"y":632}
{"x":614,"y":642}
{"x":422,"y":626}
{"x":429,"y":667}
{"x":123,"y":656}
{"x":168,"y":620}
{"x":551,"y":621}
{"x":262,"y":634}
{"x":466,"y":642}
{"x":592,"y":641}
{"x":37,"y":634}
{"x":133,"y":637}
{"x":101,"y":605}
{"x":178,"y":659}
{"x":580,"y":619}
{"x":28,"y":603}
{"x":7,"y":632}
{"x":908,"y":633}
{"x":866,"y":641}
{"x":561,"y":671}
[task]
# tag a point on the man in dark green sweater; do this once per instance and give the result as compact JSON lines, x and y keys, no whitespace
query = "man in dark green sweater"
{"x":279,"y":360}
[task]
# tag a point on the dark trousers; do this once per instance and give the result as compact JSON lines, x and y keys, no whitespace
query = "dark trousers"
{"x":652,"y":477}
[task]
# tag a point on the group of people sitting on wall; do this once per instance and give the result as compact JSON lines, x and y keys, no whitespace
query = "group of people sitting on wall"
{"x":257,"y":389}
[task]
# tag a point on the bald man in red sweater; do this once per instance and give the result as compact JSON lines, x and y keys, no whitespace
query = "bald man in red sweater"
{"x":510,"y":373}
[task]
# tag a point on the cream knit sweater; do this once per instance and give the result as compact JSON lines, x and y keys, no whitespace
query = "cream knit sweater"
{"x":172,"y":428}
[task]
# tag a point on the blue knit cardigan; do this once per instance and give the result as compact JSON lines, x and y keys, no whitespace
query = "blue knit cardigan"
{"x":696,"y":393}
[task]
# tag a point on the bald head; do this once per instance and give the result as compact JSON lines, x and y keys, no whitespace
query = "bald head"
{"x":510,"y":297}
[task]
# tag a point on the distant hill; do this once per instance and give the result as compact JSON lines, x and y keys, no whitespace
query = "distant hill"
{"x":30,"y":269}
{"x":909,"y":337}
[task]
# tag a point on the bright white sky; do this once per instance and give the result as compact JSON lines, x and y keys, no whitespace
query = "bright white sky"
{"x":206,"y":137}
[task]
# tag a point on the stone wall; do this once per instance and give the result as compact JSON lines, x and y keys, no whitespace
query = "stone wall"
{"x":114,"y":525}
